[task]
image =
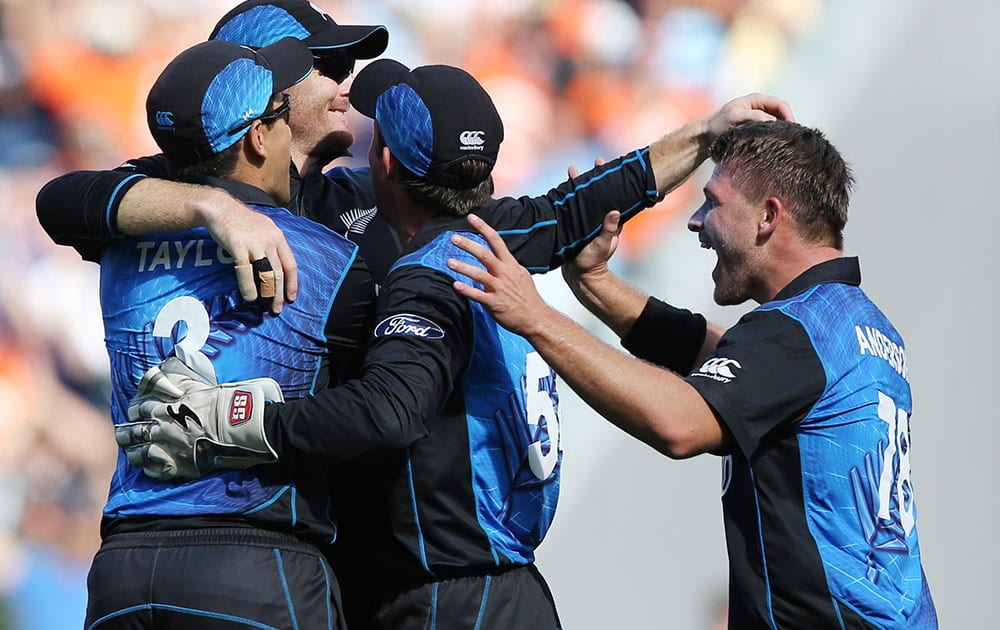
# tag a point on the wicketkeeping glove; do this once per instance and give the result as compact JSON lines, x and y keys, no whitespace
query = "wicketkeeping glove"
{"x":183,"y":425}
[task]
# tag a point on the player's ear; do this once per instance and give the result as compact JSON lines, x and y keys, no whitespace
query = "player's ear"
{"x":380,"y":154}
{"x":389,"y":162}
{"x":772,"y":213}
{"x":255,"y":141}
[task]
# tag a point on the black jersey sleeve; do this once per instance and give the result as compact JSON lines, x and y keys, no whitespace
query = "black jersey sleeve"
{"x":80,"y":209}
{"x":419,"y":346}
{"x":668,"y":336}
{"x":764,"y":375}
{"x":348,"y":326}
{"x":543,"y":232}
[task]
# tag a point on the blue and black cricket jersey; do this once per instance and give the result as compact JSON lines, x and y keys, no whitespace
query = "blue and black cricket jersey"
{"x":179,"y":289}
{"x":817,"y":495}
{"x":455,"y":419}
{"x":478,"y":491}
{"x":80,"y":209}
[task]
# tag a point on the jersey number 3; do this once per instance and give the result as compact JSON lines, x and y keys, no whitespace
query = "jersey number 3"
{"x":192,"y":313}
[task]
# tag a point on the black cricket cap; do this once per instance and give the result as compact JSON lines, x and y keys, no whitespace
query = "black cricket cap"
{"x":200,"y":102}
{"x":431,"y":118}
{"x":259,"y":23}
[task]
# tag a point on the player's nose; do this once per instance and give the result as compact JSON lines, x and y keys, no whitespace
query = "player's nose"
{"x":697,"y":220}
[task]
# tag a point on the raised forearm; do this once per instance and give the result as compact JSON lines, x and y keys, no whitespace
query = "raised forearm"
{"x":612,"y":300}
{"x":676,"y":155}
{"x":648,"y":402}
{"x":159,"y":205}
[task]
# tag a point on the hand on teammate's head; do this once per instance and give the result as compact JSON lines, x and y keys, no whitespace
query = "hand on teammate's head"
{"x":755,"y":107}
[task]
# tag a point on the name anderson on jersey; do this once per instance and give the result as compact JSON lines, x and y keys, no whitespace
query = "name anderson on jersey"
{"x":166,"y":255}
{"x":876,"y":343}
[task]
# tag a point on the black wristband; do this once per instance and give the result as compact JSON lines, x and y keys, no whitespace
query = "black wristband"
{"x":667,"y":336}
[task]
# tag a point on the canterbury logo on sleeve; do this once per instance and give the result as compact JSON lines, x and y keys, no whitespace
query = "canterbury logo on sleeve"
{"x":719,"y":369}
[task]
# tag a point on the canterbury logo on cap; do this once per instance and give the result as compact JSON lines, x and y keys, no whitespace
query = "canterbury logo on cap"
{"x":472,"y":140}
{"x":165,"y":120}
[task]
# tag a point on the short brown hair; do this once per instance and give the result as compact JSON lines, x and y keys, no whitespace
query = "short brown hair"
{"x":797,"y":164}
{"x":452,"y":202}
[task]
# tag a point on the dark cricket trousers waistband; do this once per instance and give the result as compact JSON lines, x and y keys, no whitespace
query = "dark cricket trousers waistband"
{"x":208,"y":536}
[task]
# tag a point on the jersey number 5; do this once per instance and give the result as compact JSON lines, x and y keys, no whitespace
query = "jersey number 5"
{"x":541,"y":416}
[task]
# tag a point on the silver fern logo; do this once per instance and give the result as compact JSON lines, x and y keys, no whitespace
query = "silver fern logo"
{"x":357,"y":220}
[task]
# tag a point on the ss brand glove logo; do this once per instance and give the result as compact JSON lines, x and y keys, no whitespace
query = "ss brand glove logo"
{"x":472,"y":140}
{"x":241,"y":408}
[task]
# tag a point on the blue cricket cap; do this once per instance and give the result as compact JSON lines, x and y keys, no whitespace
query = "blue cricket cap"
{"x":431,"y":118}
{"x":259,"y":23}
{"x":201,"y":102}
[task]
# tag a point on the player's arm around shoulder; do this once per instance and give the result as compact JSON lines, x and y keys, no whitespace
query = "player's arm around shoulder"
{"x":649,"y":402}
{"x":418,"y":349}
{"x":80,"y":209}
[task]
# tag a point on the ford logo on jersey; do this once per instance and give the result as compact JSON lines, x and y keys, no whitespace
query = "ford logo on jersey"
{"x":406,"y":324}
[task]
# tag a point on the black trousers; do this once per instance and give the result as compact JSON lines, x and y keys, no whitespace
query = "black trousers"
{"x":515,"y":599}
{"x":212,"y":579}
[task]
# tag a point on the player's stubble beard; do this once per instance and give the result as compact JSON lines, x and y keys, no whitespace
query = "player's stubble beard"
{"x":733,"y":274}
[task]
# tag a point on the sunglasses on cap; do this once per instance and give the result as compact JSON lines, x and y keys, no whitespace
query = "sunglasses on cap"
{"x":335,"y":66}
{"x":281,"y":111}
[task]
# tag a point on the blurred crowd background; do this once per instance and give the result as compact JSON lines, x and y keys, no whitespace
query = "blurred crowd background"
{"x":573,"y":80}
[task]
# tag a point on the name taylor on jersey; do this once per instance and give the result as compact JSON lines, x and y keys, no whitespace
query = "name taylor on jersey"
{"x":167,"y":255}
